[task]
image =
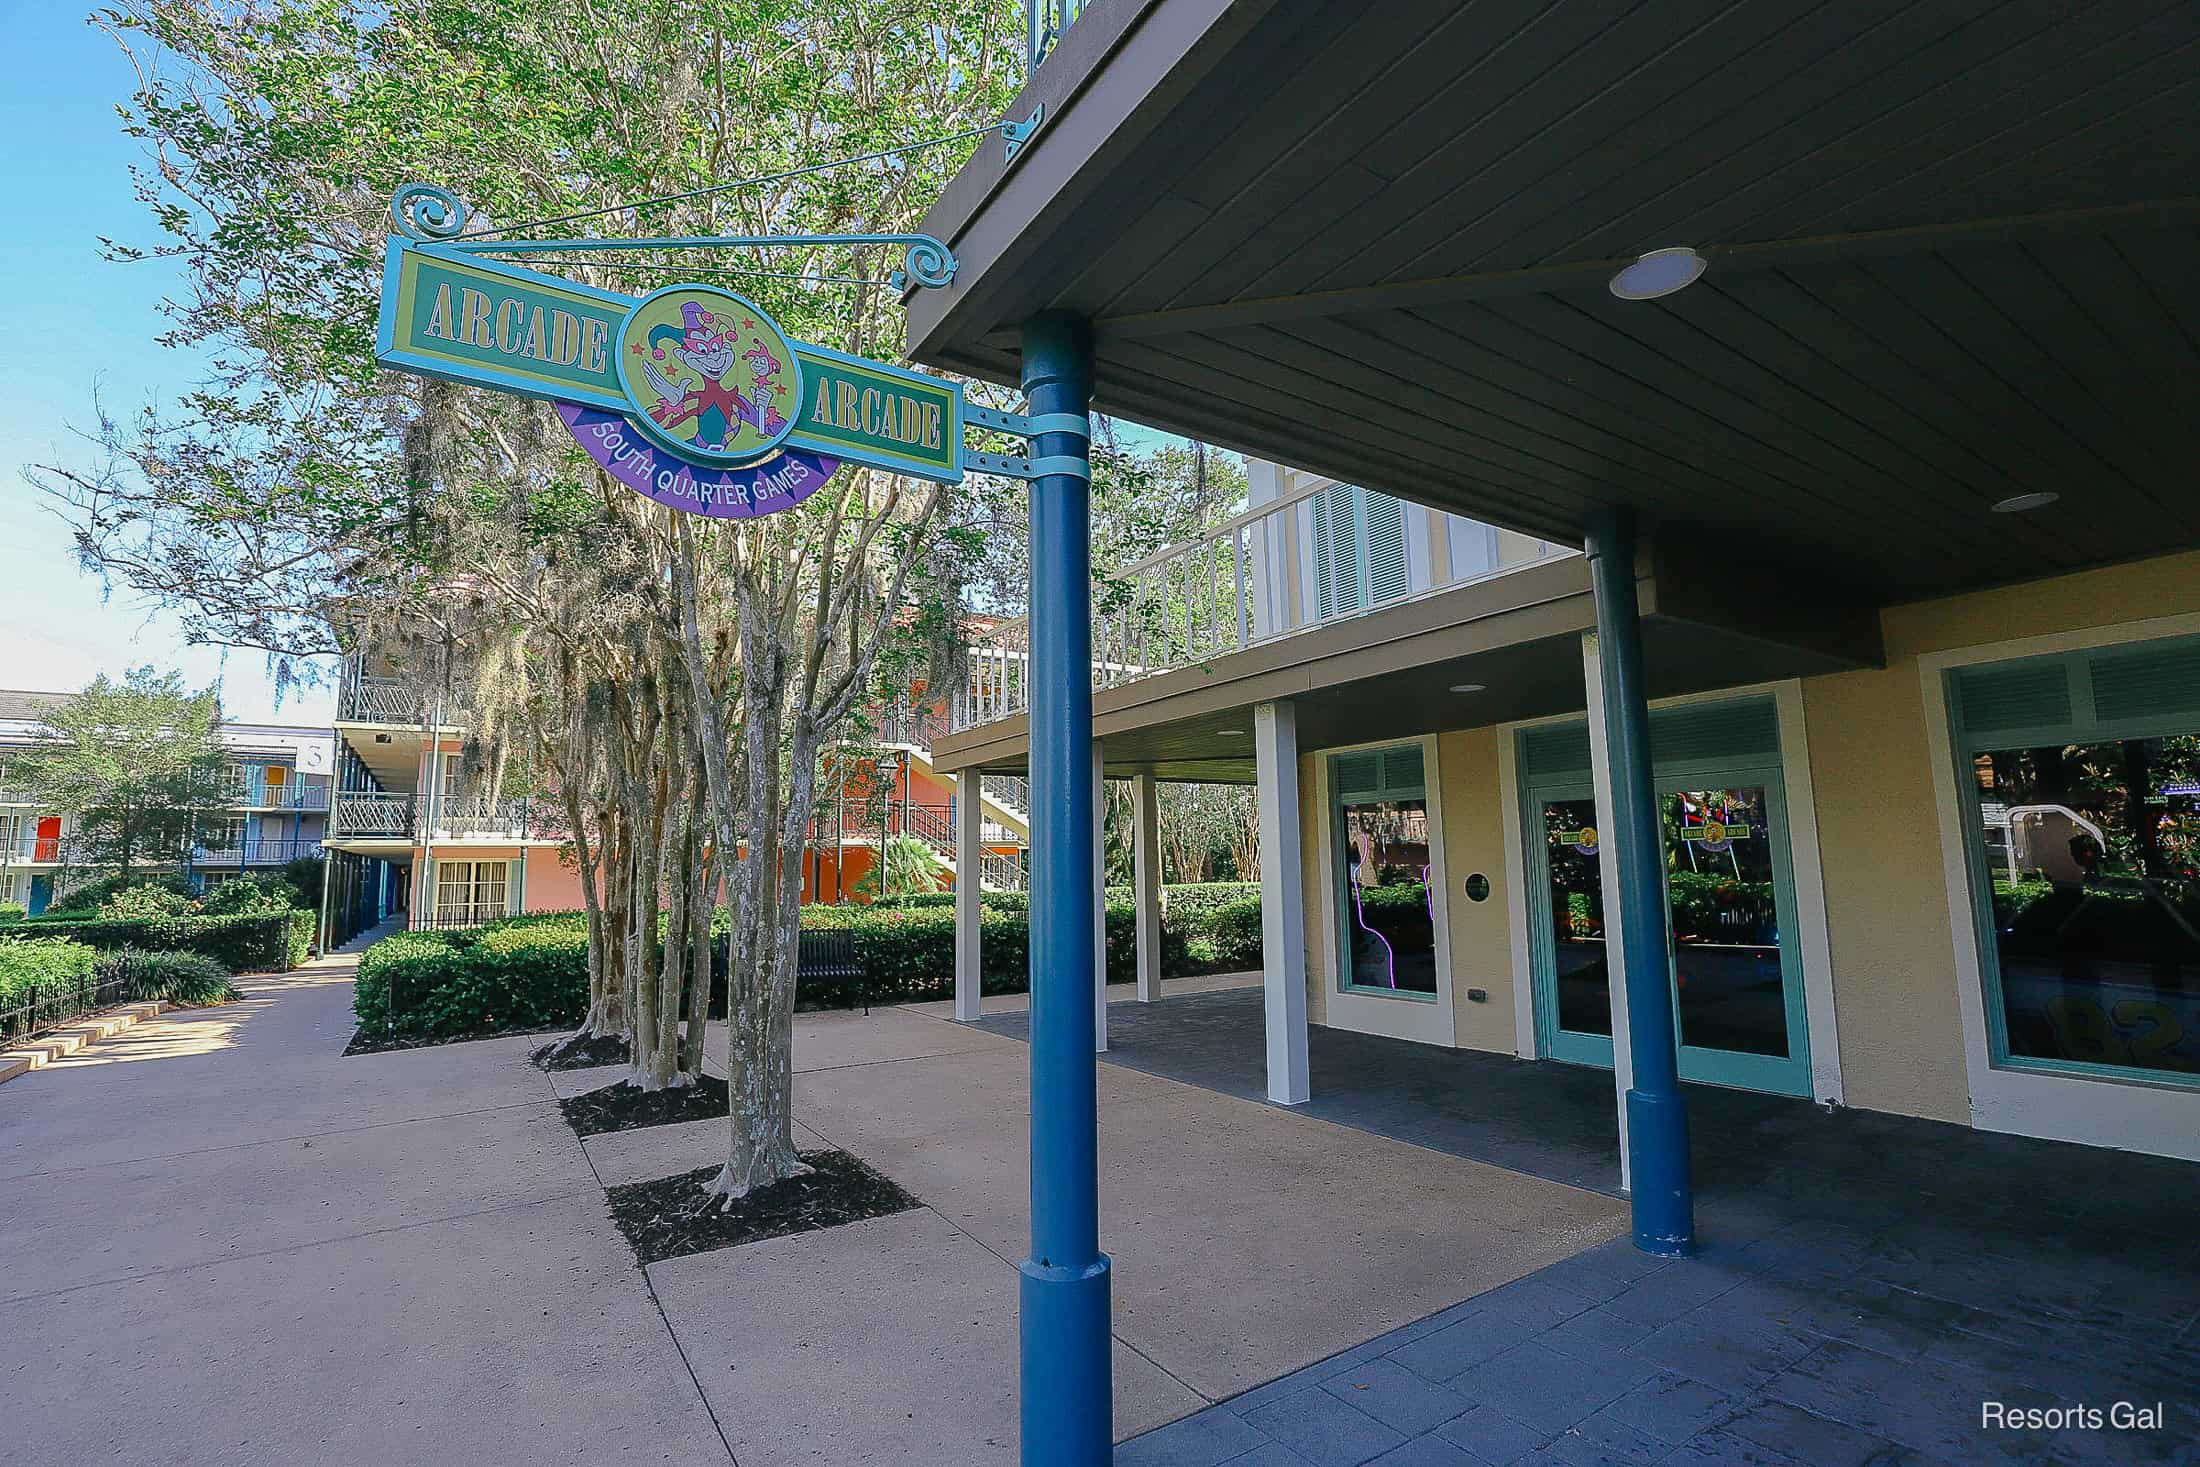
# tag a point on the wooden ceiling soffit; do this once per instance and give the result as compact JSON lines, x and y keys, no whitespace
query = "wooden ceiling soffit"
{"x":1582,"y":274}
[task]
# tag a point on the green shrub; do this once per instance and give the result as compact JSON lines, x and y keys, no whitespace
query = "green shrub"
{"x":45,"y":981}
{"x":309,"y":874}
{"x":1233,"y":934}
{"x":1193,"y":904}
{"x":134,"y":902}
{"x":249,"y":942}
{"x":192,"y":979}
{"x":86,"y":900}
{"x":1701,"y":902}
{"x":252,"y":894}
{"x":13,"y":912}
{"x":518,"y":975}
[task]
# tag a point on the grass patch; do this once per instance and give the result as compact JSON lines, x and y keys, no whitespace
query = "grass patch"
{"x":623,"y":1107}
{"x":673,"y":1217}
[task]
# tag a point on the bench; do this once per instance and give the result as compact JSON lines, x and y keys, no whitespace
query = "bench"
{"x":830,"y":955}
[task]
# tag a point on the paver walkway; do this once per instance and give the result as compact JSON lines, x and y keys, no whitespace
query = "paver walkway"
{"x":1866,"y":1283}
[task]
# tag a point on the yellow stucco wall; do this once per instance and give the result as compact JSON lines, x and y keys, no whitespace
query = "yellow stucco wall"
{"x":1481,"y":932}
{"x":1889,"y":927}
{"x":1313,"y":826}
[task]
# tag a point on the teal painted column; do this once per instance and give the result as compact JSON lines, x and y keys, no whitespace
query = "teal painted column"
{"x":1657,"y":1116}
{"x":1067,"y":1394}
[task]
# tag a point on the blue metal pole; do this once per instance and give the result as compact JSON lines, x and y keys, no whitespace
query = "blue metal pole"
{"x":1067,"y":1393}
{"x":1657,"y":1117}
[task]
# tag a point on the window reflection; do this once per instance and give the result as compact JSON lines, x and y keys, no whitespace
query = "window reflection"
{"x":1577,"y":917}
{"x":2092,"y":851}
{"x":1390,"y":932}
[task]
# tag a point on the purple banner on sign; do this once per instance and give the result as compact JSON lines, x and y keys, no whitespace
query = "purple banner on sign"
{"x":780,"y":482}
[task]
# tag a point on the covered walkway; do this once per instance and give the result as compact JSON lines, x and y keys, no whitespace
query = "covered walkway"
{"x":1865,"y":1280}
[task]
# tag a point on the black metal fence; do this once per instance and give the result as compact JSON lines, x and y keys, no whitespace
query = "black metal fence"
{"x":50,"y":1005}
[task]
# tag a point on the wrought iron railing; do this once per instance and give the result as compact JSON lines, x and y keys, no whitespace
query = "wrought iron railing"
{"x":999,"y":872}
{"x":1232,"y":587}
{"x":269,"y":850}
{"x":259,"y":795}
{"x":1048,"y":20}
{"x":33,"y":849}
{"x":360,"y":815}
{"x":52,"y":1003}
{"x":392,"y":700}
{"x":1010,"y":791}
{"x":370,"y":816}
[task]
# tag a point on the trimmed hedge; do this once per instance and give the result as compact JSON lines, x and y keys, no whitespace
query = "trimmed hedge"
{"x":1233,"y":934}
{"x":254,"y":942}
{"x":532,"y":972}
{"x":530,"y":976}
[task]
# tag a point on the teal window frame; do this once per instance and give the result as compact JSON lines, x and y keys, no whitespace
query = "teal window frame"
{"x":2080,"y":724}
{"x":1383,"y":788}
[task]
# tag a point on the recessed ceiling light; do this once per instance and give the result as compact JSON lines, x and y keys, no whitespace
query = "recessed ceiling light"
{"x":2019,"y":503}
{"x":1469,"y":688}
{"x":1661,"y":272}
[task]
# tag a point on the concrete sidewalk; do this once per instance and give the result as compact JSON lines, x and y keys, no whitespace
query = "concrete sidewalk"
{"x":225,"y":1241}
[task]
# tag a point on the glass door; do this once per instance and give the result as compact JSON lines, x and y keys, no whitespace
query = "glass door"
{"x":1737,"y":978}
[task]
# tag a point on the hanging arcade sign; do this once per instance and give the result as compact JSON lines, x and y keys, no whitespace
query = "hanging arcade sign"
{"x":690,"y":395}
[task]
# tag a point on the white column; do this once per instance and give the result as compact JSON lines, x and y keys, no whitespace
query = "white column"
{"x":1099,"y":900}
{"x":1623,"y":1066}
{"x":969,"y":869}
{"x":1282,"y":902}
{"x":1146,"y":882}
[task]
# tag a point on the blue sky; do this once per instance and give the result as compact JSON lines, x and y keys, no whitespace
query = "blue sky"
{"x":72,"y":324}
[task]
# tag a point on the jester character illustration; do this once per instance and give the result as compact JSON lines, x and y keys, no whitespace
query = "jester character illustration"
{"x":700,"y":380}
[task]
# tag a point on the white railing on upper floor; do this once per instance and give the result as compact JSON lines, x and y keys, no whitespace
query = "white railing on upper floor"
{"x":1238,"y":585}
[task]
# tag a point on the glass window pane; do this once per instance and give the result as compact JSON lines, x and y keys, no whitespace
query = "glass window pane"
{"x":1577,"y":917}
{"x":1732,"y":993}
{"x":2092,"y":850}
{"x":1390,"y":934}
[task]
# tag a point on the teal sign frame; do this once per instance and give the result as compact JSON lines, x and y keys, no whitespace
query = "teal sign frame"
{"x":454,"y":315}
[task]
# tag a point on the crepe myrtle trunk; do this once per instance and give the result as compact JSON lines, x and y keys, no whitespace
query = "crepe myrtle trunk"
{"x":700,"y":913}
{"x":606,"y":1016}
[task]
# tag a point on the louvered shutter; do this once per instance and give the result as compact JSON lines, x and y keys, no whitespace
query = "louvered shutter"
{"x":1387,"y":577}
{"x":2007,"y":696}
{"x":2146,"y":681}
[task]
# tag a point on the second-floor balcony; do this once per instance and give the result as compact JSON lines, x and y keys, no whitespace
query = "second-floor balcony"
{"x":363,"y":699}
{"x":256,"y":850}
{"x":1317,"y":554}
{"x":377,"y":815}
{"x":32,"y":850}
{"x":258,"y":794}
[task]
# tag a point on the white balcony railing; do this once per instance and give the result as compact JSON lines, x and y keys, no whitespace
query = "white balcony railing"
{"x":1238,"y":585}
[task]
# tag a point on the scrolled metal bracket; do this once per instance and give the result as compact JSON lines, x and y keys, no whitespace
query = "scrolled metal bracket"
{"x":437,"y":216}
{"x":1015,"y":134}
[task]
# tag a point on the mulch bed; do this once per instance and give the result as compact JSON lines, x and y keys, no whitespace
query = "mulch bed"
{"x":672,"y":1217}
{"x":598,"y":1049}
{"x":623,"y":1107}
{"x":378,"y":1041}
